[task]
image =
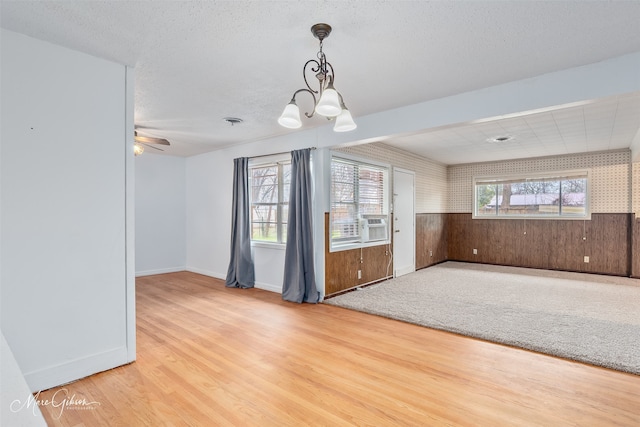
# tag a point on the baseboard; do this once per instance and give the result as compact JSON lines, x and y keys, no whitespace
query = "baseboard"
{"x":269,"y":287}
{"x":159,"y":271}
{"x":206,"y":272}
{"x":264,"y":286}
{"x":76,"y":369}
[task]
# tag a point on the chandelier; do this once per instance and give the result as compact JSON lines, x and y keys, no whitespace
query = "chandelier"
{"x":329,"y":102}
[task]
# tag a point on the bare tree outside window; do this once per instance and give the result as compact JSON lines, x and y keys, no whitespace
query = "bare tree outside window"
{"x":505,"y":200}
{"x":270,"y":202}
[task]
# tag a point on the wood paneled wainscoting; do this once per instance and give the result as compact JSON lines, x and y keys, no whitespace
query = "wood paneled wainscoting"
{"x":635,"y":248}
{"x":548,"y":244}
{"x":431,"y":239}
{"x":611,"y":241}
{"x":341,"y":268}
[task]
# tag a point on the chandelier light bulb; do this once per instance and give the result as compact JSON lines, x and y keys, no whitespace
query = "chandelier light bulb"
{"x":290,"y":117}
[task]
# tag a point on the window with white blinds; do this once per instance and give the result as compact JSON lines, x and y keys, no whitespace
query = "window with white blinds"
{"x":359,"y":190}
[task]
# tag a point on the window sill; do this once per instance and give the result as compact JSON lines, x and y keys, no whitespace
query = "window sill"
{"x":560,"y":218}
{"x":266,"y":245}
{"x":358,"y":245}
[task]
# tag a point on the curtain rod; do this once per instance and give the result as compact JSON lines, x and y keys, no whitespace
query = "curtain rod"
{"x":276,"y":154}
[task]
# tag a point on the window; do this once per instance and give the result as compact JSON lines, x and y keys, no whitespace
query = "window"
{"x":359,"y":202}
{"x":269,"y":185}
{"x":562,"y":195}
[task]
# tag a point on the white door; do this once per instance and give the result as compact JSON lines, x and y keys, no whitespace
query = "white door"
{"x":404,"y":223}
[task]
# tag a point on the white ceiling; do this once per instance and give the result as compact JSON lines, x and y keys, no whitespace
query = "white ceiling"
{"x":600,"y":125}
{"x":200,"y":61}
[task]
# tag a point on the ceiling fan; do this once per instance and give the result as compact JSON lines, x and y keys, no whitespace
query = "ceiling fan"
{"x":147,"y":141}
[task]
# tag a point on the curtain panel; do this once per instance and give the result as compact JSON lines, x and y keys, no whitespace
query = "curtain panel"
{"x":299,"y":284}
{"x":241,"y":272}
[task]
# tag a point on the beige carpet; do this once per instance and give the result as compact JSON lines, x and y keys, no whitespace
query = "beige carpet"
{"x":585,"y":317}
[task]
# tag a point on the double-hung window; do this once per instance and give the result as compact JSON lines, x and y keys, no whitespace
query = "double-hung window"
{"x":551,"y":195}
{"x":269,"y":184}
{"x":359,"y":203}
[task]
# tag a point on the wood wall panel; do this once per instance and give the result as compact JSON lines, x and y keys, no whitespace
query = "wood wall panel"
{"x":635,"y":248}
{"x":461,"y":239}
{"x":431,"y":239}
{"x":611,"y":241}
{"x":341,"y":268}
{"x":609,"y":244}
{"x":548,"y":244}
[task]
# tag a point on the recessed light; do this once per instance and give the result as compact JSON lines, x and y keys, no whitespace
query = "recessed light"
{"x":232,"y":120}
{"x":501,"y":138}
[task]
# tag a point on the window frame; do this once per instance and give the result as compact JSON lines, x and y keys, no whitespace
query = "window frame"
{"x":266,"y":162}
{"x":344,"y":244}
{"x":552,"y":175}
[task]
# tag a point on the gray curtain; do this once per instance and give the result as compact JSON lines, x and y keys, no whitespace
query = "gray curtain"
{"x":299,"y":283}
{"x":241,"y":273}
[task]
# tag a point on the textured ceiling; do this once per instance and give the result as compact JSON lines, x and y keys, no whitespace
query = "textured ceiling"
{"x":200,"y":61}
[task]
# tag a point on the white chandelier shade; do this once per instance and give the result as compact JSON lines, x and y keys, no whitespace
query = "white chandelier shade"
{"x":329,"y":103}
{"x":290,"y":117}
{"x":344,"y":122}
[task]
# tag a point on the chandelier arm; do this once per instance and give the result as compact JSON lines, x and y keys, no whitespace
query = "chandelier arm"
{"x":310,"y":92}
{"x":344,"y":107}
{"x":332,"y":74}
{"x":314,"y":70}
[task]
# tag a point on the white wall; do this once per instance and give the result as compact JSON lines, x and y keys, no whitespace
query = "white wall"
{"x":160,"y":214}
{"x":65,"y":283}
{"x":209,"y":181}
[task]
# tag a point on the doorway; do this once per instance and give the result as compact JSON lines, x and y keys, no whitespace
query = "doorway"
{"x":404,"y":222}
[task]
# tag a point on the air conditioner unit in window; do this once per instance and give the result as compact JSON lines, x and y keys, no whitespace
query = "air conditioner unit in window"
{"x":373,"y":228}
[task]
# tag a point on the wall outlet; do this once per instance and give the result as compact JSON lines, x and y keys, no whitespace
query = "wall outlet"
{"x":359,"y":274}
{"x":430,"y":253}
{"x":586,"y":259}
{"x":475,"y":252}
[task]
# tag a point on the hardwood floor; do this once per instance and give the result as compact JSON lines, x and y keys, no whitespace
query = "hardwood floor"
{"x":209,"y":356}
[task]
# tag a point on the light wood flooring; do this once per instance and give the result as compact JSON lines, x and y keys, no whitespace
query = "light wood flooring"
{"x":208,"y":356}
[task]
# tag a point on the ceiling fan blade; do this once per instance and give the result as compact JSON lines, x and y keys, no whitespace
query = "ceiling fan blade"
{"x":150,"y":146}
{"x":150,"y":140}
